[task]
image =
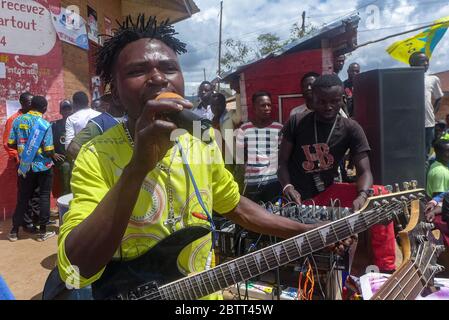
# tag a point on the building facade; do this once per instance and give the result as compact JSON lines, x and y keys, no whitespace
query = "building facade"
{"x":47,"y":47}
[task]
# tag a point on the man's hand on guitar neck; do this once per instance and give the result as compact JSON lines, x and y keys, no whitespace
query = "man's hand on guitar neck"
{"x":360,"y":201}
{"x":341,"y":247}
{"x":432,"y":213}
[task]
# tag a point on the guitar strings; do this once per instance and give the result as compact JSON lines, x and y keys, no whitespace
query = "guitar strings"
{"x":198,"y":283}
{"x":362,"y":221}
{"x":410,"y":267}
{"x":420,"y":276}
{"x":365,"y":220}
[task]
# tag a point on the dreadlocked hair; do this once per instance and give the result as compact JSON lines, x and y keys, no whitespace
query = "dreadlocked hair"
{"x":130,"y":31}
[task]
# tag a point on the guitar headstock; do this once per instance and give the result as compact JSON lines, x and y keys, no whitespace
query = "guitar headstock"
{"x":428,"y":247}
{"x":396,"y":201}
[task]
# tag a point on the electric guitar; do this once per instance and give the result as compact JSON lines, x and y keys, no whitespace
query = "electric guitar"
{"x":155,"y":275}
{"x":421,"y":248}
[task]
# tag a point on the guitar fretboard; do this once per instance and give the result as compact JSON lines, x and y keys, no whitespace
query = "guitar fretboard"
{"x":270,"y":258}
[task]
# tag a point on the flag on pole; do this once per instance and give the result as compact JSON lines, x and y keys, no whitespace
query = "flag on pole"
{"x":425,"y":42}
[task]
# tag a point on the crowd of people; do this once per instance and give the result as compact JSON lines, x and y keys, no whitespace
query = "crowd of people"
{"x":45,"y":152}
{"x":131,"y":187}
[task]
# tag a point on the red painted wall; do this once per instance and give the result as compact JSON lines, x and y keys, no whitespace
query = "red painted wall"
{"x":27,"y":70}
{"x":281,"y":76}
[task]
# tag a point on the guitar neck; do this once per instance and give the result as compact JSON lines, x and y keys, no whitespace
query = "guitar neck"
{"x":270,"y":258}
{"x":404,"y":284}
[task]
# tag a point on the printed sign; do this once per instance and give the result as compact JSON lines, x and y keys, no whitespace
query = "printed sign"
{"x":70,"y":27}
{"x":25,"y":28}
{"x":92,"y":25}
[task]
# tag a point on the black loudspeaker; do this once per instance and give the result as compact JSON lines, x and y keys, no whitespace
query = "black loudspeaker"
{"x":389,"y":105}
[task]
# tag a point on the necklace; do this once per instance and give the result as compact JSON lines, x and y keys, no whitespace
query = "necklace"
{"x":171,"y":220}
{"x":330,"y":134}
{"x":128,"y":134}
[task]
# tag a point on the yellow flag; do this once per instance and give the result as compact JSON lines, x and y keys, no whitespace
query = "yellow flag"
{"x":425,"y":42}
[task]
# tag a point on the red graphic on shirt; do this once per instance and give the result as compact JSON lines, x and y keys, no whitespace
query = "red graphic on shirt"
{"x":348,"y":92}
{"x":320,"y":160}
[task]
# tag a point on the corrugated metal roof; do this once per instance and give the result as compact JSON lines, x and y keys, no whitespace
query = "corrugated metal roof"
{"x":175,"y":10}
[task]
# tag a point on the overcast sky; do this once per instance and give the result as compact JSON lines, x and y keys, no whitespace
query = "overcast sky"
{"x":246,"y":19}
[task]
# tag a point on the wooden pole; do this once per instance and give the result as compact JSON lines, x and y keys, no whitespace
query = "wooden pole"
{"x":219,"y":44}
{"x":399,"y":34}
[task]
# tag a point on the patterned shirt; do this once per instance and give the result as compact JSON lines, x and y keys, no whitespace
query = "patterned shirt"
{"x":260,"y":147}
{"x":99,"y":166}
{"x":19,"y":135}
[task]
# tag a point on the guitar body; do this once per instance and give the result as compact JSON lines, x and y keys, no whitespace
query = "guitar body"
{"x":159,"y":266}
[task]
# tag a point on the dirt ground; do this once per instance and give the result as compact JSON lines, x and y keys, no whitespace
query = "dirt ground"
{"x":26,"y":264}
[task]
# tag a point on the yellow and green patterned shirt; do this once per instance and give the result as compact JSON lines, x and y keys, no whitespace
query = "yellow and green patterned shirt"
{"x":99,"y":166}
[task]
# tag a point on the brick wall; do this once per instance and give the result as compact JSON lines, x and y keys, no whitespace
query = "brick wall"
{"x":444,"y":104}
{"x":76,"y":67}
{"x":76,"y":77}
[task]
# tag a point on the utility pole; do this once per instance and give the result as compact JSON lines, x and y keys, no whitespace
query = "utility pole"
{"x":204,"y":71}
{"x":303,"y":26}
{"x":219,"y":45}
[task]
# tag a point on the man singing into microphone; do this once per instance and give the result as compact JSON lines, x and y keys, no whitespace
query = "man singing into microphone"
{"x":131,"y":187}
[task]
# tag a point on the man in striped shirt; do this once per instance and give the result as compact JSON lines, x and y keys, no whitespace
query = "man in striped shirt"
{"x":258,"y":142}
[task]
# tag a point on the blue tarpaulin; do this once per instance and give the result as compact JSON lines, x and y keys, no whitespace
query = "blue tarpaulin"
{"x":5,"y":292}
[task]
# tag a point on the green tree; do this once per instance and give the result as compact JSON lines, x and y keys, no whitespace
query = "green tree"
{"x":268,"y":43}
{"x":237,"y":52}
{"x":298,"y":32}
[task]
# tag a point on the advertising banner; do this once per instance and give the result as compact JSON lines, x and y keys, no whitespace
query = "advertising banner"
{"x":70,"y":27}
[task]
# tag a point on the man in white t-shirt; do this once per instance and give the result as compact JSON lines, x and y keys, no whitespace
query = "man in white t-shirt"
{"x":306,"y":89}
{"x":433,"y":94}
{"x":78,"y":121}
{"x":203,"y":109}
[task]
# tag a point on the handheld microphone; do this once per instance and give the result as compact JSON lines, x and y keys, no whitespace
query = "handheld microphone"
{"x":188,"y":120}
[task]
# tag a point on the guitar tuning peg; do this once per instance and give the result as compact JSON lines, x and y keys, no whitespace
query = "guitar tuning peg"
{"x":397,"y":188}
{"x":427,"y":226}
{"x":406,"y":186}
{"x":395,"y":200}
{"x":440,"y":249}
{"x":389,"y":188}
{"x":413,"y":197}
{"x":420,"y":238}
{"x":370,"y":192}
{"x":437,"y":268}
{"x":385,"y":202}
{"x":414,"y":184}
{"x":421,"y":195}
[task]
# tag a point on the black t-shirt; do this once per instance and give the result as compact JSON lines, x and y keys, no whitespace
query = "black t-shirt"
{"x":312,"y":160}
{"x":58,"y":128}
